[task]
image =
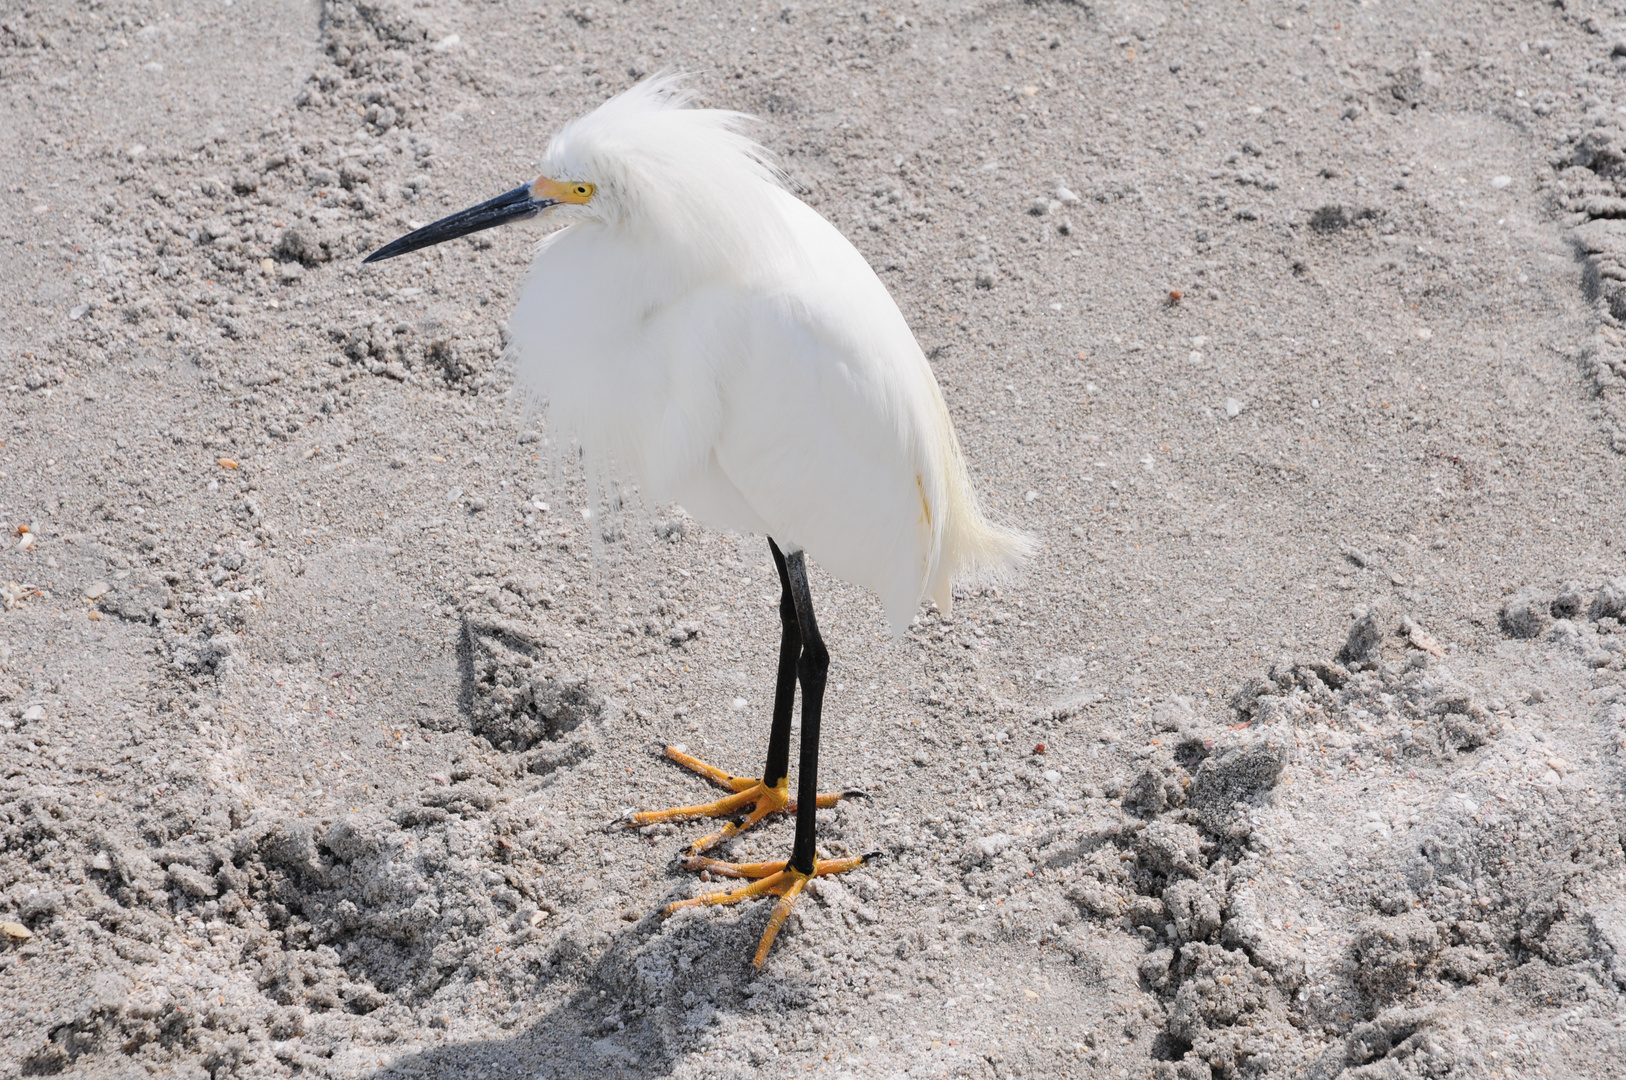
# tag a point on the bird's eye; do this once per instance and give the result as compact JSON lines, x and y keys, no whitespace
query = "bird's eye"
{"x":584,"y":190}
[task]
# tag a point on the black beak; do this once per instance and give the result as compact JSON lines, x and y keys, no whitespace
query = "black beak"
{"x":516,"y":205}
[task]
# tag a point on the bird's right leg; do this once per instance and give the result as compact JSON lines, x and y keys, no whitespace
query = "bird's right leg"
{"x":771,"y":793}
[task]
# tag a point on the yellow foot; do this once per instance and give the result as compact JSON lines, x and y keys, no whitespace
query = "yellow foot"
{"x":771,"y":879}
{"x":762,"y":800}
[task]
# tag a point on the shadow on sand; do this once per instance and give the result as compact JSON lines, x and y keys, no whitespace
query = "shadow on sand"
{"x":663,"y":990}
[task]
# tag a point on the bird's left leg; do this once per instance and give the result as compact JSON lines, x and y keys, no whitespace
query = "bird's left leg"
{"x":786,"y":879}
{"x":756,"y":799}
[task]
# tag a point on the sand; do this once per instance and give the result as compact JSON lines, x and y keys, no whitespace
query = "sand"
{"x":1292,"y":333}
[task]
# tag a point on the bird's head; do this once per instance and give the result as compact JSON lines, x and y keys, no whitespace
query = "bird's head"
{"x":642,"y":156}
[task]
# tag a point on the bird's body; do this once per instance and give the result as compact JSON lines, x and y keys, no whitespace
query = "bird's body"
{"x":698,"y":329}
{"x":744,"y":360}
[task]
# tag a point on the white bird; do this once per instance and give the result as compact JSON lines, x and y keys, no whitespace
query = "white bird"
{"x":697,"y":328}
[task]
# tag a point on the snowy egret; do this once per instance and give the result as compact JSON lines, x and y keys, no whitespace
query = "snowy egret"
{"x":697,"y":327}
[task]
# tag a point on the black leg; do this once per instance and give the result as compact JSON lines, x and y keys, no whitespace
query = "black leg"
{"x":784,"y":692}
{"x":812,"y":668}
{"x":801,"y":654}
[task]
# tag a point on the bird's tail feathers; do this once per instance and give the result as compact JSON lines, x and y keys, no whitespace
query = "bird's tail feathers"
{"x":971,"y":550}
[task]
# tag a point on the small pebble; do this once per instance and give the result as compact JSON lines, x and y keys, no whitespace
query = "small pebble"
{"x":1233,"y":407}
{"x":1501,"y":182}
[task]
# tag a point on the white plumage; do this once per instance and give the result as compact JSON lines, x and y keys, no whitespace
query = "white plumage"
{"x":700,"y":330}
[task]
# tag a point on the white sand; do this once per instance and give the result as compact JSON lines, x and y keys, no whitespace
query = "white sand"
{"x":314,"y":719}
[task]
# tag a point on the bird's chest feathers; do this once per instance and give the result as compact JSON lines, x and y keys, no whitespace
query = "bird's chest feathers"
{"x":597,"y":295}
